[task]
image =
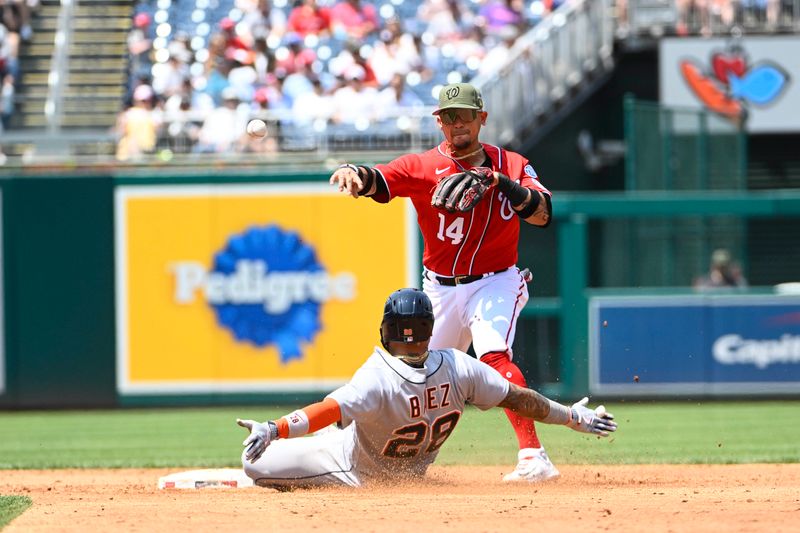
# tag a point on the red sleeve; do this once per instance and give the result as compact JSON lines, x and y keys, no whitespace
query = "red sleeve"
{"x":403,"y":176}
{"x":528,"y":178}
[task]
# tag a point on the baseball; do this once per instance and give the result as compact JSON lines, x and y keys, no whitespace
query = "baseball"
{"x":257,"y":128}
{"x":600,"y":411}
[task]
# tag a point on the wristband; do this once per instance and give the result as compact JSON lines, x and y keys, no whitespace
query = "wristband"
{"x":297,"y":422}
{"x":350,"y":166}
{"x":516,"y":193}
{"x":273,"y":430}
{"x":529,"y":209}
{"x":370,"y":182}
{"x":559,"y":414}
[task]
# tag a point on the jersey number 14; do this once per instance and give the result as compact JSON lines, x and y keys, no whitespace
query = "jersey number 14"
{"x":455,"y":231}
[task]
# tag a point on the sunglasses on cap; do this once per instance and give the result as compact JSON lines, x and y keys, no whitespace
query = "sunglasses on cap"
{"x":449,"y":116}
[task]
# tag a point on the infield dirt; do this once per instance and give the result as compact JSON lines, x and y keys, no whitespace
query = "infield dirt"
{"x":640,"y":498}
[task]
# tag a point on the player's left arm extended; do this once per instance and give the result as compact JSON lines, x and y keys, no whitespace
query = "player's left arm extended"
{"x":296,"y":424}
{"x":530,"y":403}
{"x":532,"y":206}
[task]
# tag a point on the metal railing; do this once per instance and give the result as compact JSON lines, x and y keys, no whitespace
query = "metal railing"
{"x":653,"y":18}
{"x":57,"y":79}
{"x":545,"y":65}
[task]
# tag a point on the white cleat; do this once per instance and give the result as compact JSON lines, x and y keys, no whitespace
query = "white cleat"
{"x":533,"y":466}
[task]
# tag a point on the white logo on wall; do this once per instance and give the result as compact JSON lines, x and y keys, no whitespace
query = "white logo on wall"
{"x":251,"y":283}
{"x":733,"y":349}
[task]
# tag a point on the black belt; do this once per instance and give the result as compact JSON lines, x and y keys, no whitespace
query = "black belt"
{"x":463,"y":280}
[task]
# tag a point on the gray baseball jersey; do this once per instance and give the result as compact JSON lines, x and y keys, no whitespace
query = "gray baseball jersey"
{"x":395,"y":419}
{"x":403,"y":415}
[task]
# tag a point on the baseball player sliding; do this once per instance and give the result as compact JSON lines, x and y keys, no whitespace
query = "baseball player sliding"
{"x":469,"y":197}
{"x":396,"y":411}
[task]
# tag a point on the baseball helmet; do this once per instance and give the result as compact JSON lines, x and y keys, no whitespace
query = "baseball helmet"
{"x":407,"y":317}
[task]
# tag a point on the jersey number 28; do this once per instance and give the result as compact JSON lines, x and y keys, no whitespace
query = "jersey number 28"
{"x":410,"y":438}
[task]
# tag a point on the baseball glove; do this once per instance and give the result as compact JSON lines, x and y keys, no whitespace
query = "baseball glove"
{"x":462,"y":191}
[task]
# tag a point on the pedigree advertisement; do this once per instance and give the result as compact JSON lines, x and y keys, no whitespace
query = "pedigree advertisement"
{"x":253,"y":288}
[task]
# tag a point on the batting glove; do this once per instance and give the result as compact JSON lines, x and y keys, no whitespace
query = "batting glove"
{"x":261,"y":435}
{"x":596,"y":421}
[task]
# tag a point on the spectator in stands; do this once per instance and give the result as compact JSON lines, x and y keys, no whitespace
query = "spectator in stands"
{"x":308,"y":18}
{"x":217,"y":81}
{"x":15,"y":15}
{"x":223,"y":130}
{"x":313,"y":106}
{"x":198,"y":100}
{"x":498,"y":55}
{"x":445,"y":19}
{"x":274,"y":88}
{"x":723,"y":11}
{"x":354,"y":102}
{"x":7,"y":92}
{"x":180,"y":47}
{"x":354,"y":18}
{"x":349,"y":56}
{"x":296,"y":57}
{"x":264,"y":22}
{"x":137,"y":126}
{"x":724,"y":272}
{"x":227,"y":28}
{"x":395,"y":53}
{"x":179,"y":132}
{"x":242,"y":76}
{"x":168,"y":77}
{"x":760,"y":11}
{"x":688,"y":12}
{"x":298,"y":83}
{"x":217,"y":44}
{"x":140,"y":46}
{"x":470,"y":47}
{"x":394,"y":101}
{"x":704,"y":15}
{"x":497,"y":15}
{"x":263,"y":59}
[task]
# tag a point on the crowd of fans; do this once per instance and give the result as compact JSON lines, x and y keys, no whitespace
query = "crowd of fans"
{"x":703,"y":16}
{"x":709,"y":17}
{"x":310,"y":67}
{"x":200,"y":69}
{"x":15,"y":27}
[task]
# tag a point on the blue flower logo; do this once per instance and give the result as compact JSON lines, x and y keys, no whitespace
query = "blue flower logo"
{"x":267,"y":287}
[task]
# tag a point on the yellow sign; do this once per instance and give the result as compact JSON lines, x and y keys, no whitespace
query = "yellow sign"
{"x":253,"y":288}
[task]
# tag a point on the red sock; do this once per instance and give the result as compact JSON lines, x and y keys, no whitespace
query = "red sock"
{"x":523,"y":427}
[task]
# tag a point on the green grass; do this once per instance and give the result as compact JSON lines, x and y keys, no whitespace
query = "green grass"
{"x":739,"y":432}
{"x":11,"y":507}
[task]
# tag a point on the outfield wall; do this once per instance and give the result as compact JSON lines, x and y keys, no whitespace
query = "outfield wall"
{"x":157,"y":290}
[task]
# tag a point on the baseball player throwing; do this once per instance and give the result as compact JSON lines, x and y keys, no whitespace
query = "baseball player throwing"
{"x":396,"y":412}
{"x":469,"y":197}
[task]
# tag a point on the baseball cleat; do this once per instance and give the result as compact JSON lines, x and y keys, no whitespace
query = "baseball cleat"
{"x":533,"y":466}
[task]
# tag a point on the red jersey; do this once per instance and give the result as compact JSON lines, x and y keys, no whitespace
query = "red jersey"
{"x":458,"y":244}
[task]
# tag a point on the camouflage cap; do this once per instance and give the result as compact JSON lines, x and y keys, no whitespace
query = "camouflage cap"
{"x":459,"y":95}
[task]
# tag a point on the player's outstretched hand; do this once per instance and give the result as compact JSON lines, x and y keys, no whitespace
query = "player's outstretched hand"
{"x":258,"y":440}
{"x":347,"y":178}
{"x":597,"y":421}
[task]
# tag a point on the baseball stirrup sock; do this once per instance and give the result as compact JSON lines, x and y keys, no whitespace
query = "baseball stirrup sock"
{"x":523,"y":427}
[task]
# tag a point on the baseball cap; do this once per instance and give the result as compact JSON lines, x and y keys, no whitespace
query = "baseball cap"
{"x":720,"y":257}
{"x":229,"y":93}
{"x":141,"y":20}
{"x":459,"y":95}
{"x":142,"y":93}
